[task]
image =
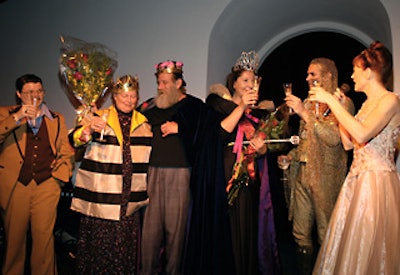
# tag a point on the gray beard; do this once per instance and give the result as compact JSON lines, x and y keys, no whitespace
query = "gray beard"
{"x":164,"y":101}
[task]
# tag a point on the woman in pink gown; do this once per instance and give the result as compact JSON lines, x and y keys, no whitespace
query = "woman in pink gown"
{"x":363,"y":237}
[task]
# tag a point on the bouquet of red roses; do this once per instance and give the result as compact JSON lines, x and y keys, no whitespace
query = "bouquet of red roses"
{"x":275,"y":126}
{"x":87,"y":69}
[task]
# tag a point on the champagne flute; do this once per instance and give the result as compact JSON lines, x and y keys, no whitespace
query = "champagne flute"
{"x":256,"y":87}
{"x":32,"y":120}
{"x":287,"y":88}
{"x":104,"y":117}
{"x":315,"y":83}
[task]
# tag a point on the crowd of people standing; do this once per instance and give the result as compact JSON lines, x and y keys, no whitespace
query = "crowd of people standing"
{"x":177,"y":185}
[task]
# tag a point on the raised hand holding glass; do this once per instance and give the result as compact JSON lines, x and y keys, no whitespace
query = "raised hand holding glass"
{"x":104,"y":117}
{"x":256,"y":87}
{"x":287,"y":88}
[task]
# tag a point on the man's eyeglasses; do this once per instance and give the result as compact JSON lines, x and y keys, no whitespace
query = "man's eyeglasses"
{"x":40,"y":91}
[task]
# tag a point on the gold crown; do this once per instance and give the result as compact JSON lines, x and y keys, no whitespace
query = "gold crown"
{"x":126,"y":83}
{"x":169,"y":66}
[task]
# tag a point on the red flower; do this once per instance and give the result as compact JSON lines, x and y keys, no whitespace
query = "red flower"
{"x":78,"y":76}
{"x":109,"y":71}
{"x":85,"y":57}
{"x":71,"y":63}
{"x":144,"y":106}
{"x":262,"y":135}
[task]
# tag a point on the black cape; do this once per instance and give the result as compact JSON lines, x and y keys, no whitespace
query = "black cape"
{"x":208,"y":248}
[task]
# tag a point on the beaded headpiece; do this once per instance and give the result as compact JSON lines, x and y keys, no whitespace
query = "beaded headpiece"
{"x":126,"y":83}
{"x":247,"y":61}
{"x":169,"y":66}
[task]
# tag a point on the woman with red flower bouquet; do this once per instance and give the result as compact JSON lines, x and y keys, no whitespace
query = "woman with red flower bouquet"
{"x":111,"y":183}
{"x":246,"y":170}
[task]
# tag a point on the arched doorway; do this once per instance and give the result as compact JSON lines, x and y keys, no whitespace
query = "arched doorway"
{"x":280,"y":34}
{"x":264,"y":26}
{"x":289,"y":62}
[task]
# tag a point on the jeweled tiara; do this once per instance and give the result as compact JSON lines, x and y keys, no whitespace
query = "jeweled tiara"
{"x":247,"y":61}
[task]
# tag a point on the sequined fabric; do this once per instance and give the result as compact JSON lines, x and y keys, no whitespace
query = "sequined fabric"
{"x":110,"y":245}
{"x":363,"y":237}
{"x":125,"y":122}
{"x":317,"y":173}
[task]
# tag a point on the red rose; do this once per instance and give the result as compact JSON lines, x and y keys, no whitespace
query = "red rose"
{"x":71,"y":63}
{"x":78,"y":76}
{"x":262,"y":135}
{"x":108,"y":72}
{"x":85,"y":57}
{"x":144,"y":106}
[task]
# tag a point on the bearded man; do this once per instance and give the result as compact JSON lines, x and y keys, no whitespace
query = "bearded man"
{"x":185,"y":179}
{"x":168,"y":174}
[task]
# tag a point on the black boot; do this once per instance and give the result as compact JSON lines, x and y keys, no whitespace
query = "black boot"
{"x":305,"y":260}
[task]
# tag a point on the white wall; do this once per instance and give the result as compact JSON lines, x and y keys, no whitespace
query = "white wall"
{"x":146,"y":32}
{"x":393,"y":10}
{"x":141,"y":32}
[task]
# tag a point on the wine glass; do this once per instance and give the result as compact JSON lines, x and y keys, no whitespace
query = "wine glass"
{"x":287,"y":88}
{"x":104,"y":117}
{"x":284,"y":163}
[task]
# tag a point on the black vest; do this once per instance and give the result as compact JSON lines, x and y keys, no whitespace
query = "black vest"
{"x":38,"y":157}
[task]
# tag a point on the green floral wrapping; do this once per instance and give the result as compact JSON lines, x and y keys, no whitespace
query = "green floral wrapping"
{"x":87,"y":69}
{"x":274,"y":126}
